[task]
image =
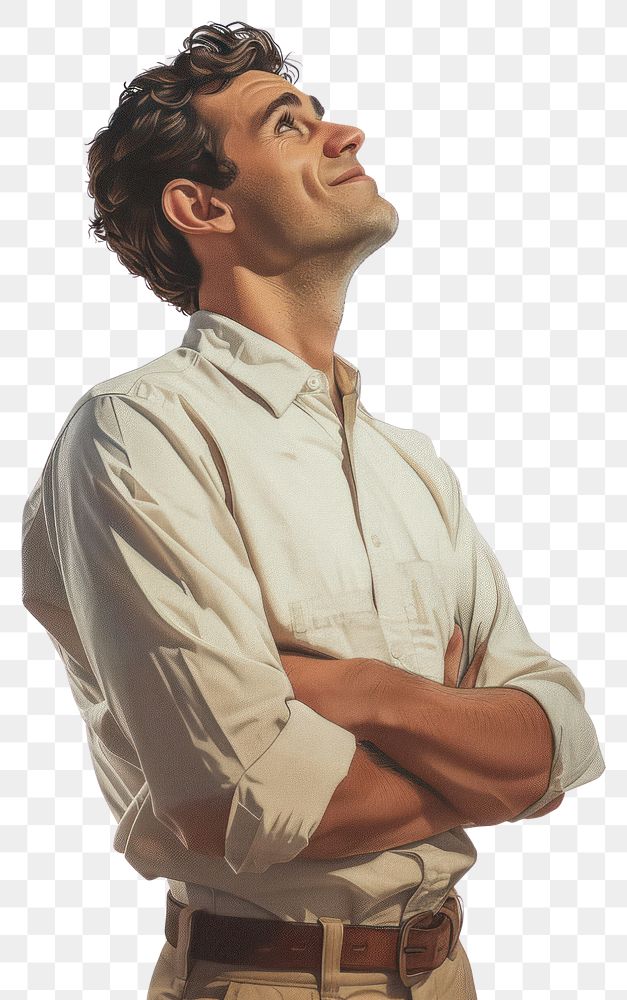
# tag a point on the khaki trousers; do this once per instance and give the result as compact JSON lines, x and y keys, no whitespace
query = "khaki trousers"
{"x":177,"y":977}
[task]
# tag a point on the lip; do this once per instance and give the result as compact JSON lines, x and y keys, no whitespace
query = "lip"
{"x":351,"y":174}
{"x":357,"y":177}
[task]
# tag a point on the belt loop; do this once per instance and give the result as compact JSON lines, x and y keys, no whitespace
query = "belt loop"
{"x":182,"y":962}
{"x":333,"y":936}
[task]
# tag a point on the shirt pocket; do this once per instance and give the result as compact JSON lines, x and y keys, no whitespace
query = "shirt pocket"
{"x":429,"y":606}
{"x":341,"y":622}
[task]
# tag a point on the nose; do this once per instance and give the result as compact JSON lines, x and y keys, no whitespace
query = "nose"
{"x":343,"y":137}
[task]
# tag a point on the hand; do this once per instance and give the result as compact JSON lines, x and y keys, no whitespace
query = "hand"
{"x":452,"y":659}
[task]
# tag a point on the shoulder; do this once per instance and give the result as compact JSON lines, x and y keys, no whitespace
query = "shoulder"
{"x":415,"y":440}
{"x":415,"y":446}
{"x":151,"y":383}
{"x":145,"y":390}
{"x":419,"y":451}
{"x":141,"y":424}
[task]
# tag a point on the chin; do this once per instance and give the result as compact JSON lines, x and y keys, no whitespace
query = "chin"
{"x":386,"y":220}
{"x":392,"y":211}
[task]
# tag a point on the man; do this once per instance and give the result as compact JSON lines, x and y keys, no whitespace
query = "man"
{"x":299,"y":664}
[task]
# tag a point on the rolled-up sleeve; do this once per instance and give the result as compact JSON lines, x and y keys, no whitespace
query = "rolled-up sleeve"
{"x":486,"y":609}
{"x":172,"y":619}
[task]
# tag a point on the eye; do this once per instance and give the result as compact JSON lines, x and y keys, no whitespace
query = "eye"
{"x":286,"y":119}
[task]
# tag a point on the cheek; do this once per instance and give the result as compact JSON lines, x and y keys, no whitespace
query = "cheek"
{"x":282,"y":200}
{"x":312,"y":185}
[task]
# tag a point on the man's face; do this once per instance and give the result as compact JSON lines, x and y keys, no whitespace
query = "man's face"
{"x":284,"y":203}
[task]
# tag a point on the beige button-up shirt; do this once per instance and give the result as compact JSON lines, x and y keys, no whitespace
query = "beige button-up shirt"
{"x":200,"y":512}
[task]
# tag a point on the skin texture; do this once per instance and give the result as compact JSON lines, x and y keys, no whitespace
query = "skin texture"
{"x":495,"y":778}
{"x":277,"y":249}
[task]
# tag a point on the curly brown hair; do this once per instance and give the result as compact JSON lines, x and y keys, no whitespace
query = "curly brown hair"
{"x":155,"y":135}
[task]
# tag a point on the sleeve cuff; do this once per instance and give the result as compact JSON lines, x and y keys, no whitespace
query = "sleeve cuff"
{"x":577,"y":757}
{"x":280,"y":800}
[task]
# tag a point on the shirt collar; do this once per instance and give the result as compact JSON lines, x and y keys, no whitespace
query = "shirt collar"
{"x":268,"y":368}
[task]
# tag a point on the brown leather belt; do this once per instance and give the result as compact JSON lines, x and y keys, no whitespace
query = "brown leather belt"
{"x":419,"y":945}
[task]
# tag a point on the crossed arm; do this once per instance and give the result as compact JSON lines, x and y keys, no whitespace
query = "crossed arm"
{"x":434,"y":756}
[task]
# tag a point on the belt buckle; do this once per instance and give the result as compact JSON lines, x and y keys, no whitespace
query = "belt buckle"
{"x":409,"y":978}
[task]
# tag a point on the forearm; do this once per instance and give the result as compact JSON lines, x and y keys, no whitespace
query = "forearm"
{"x":343,"y":691}
{"x":469,"y":762}
{"x":375,"y":808}
{"x":488,"y":751}
{"x":337,"y":688}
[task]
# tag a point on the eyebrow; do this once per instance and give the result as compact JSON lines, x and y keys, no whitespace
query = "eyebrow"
{"x":288,"y":98}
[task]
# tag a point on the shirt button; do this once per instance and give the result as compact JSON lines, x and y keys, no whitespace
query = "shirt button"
{"x":314,"y":382}
{"x":376,"y":540}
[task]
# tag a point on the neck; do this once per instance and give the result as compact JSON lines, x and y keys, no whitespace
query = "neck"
{"x":294,"y":310}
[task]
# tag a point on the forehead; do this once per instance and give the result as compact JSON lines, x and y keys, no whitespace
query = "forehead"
{"x":235,"y":105}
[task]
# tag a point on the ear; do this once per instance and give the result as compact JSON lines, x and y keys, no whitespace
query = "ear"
{"x":189,"y":206}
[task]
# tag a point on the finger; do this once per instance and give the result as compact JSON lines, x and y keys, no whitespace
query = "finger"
{"x":452,"y":656}
{"x":470,"y":677}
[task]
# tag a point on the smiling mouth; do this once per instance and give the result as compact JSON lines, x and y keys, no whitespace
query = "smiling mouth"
{"x":355,"y":171}
{"x":357,"y":177}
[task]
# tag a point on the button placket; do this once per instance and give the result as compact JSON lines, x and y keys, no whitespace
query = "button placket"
{"x":350,"y":408}
{"x":383,"y":567}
